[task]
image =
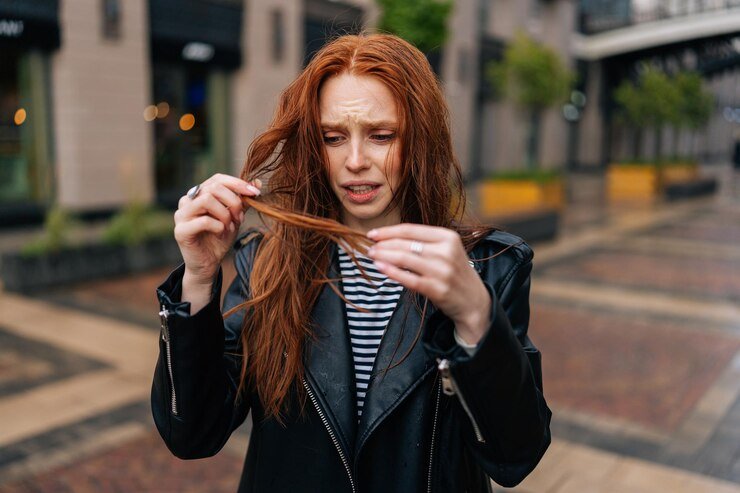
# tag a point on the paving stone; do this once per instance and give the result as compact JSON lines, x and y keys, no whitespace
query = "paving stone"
{"x":717,"y":279}
{"x":143,"y":465}
{"x":25,"y":364}
{"x":635,"y":368}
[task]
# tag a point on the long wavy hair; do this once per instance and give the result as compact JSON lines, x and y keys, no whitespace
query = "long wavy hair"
{"x":292,"y":259}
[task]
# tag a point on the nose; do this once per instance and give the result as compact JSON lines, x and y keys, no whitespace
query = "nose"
{"x":356,"y":160}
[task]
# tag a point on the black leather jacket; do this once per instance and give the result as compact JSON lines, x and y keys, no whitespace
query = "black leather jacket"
{"x":412,"y":435}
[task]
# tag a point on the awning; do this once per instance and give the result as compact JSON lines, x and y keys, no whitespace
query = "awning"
{"x":197,"y":31}
{"x":29,"y":23}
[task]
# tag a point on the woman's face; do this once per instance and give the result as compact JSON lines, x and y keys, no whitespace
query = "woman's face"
{"x":359,"y":123}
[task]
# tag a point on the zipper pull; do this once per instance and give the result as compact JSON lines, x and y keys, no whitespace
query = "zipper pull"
{"x":163,"y":314}
{"x":448,"y":386}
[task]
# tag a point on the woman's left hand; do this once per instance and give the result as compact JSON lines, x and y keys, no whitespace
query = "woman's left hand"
{"x":432,"y":261}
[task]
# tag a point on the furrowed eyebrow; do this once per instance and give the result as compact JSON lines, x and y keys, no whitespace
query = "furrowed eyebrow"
{"x":370,"y":124}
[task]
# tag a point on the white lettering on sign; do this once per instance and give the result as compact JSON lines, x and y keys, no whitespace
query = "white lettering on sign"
{"x":199,"y":52}
{"x":11,"y":29}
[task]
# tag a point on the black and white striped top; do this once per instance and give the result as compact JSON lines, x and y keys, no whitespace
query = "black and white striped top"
{"x":366,"y":329}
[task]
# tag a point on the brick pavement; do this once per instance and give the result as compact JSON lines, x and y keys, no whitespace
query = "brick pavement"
{"x":643,"y":373}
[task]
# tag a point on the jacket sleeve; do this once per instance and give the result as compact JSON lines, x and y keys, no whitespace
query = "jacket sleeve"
{"x":505,"y":419}
{"x":194,"y":393}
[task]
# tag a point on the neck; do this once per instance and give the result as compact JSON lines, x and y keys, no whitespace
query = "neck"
{"x":365,"y":225}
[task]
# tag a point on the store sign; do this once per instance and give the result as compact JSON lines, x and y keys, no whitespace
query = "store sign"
{"x":198,"y":52}
{"x":10,"y":28}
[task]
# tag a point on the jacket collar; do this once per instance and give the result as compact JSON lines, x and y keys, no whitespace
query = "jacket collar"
{"x":330,"y":368}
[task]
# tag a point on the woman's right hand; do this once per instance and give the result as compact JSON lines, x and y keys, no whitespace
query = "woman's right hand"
{"x":206,"y":226}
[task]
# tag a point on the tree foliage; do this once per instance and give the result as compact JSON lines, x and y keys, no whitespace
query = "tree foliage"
{"x":530,"y":74}
{"x":695,"y":103}
{"x":422,"y":23}
{"x":655,"y":100}
{"x":650,"y":101}
{"x":534,"y":77}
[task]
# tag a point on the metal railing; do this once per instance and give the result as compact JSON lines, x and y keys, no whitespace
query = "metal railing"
{"x":604,"y":15}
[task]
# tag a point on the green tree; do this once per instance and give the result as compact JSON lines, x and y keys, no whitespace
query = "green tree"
{"x":695,"y":103}
{"x":650,"y":102}
{"x":535,"y":78}
{"x":422,"y":23}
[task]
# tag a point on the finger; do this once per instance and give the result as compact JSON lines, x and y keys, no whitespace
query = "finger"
{"x":197,"y":226}
{"x":411,"y":232}
{"x":230,"y":200}
{"x":420,"y":284}
{"x":430,"y":249}
{"x":407,"y":260}
{"x":208,"y":204}
{"x":237,"y":185}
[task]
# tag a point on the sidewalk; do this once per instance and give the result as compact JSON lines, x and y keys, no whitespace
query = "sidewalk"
{"x":637,"y":314}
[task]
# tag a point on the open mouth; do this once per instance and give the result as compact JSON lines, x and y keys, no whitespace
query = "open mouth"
{"x":362,"y":193}
{"x":361,"y":189}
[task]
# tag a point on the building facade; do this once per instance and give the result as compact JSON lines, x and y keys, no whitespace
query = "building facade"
{"x":107,"y":102}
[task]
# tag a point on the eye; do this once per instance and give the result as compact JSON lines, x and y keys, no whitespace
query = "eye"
{"x":383,"y":137}
{"x":332,"y":139}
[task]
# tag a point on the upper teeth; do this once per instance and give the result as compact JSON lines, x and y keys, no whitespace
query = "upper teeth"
{"x":360,"y":188}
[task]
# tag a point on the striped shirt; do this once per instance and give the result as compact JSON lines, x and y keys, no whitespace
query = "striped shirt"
{"x":366,"y":328}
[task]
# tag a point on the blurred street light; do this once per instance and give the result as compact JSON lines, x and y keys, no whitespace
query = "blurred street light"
{"x":150,"y":113}
{"x":20,"y":116}
{"x":163,"y":109}
{"x":187,"y":121}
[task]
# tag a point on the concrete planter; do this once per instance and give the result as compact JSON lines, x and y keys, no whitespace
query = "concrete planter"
{"x":647,"y":183}
{"x":633,"y":183}
{"x":25,"y":273}
{"x":678,"y":173}
{"x":532,"y":226}
{"x":504,"y":197}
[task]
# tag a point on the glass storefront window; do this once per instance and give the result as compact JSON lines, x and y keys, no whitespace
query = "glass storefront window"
{"x":24,"y":127}
{"x":13,"y":163}
{"x":190,"y":127}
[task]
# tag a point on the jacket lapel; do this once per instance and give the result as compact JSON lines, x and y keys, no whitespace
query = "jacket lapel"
{"x":329,"y":365}
{"x":387,"y":388}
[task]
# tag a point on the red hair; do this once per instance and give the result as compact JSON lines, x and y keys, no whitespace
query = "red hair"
{"x":292,"y":259}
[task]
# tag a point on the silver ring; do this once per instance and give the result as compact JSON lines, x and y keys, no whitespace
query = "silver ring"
{"x":193,"y":192}
{"x":417,"y":247}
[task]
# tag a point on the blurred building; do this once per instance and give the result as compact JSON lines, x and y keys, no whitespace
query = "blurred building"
{"x":615,"y":37}
{"x":103,"y":102}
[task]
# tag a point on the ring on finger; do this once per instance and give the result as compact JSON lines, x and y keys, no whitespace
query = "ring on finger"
{"x":193,"y":192}
{"x":417,"y":247}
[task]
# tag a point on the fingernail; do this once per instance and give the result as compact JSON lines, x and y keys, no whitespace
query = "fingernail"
{"x":372,"y":233}
{"x":380,"y":265}
{"x":241,"y":217}
{"x":231,"y":227}
{"x":253,"y":189}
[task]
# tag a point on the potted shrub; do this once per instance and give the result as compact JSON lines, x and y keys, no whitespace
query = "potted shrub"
{"x":137,"y":238}
{"x":527,"y":200}
{"x":653,"y":101}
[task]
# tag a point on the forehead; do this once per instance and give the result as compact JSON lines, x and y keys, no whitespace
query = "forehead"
{"x":358,"y":98}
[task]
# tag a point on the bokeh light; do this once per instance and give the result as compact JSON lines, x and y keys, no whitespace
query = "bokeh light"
{"x":163,"y":109}
{"x":150,"y":113}
{"x":20,"y":116}
{"x":187,"y":121}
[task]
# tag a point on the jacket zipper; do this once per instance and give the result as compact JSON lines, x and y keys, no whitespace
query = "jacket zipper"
{"x":333,"y":437}
{"x":434,"y":434}
{"x":449,"y":386}
{"x":168,"y":356}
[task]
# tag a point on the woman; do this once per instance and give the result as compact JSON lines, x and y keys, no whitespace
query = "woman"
{"x":396,"y":367}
